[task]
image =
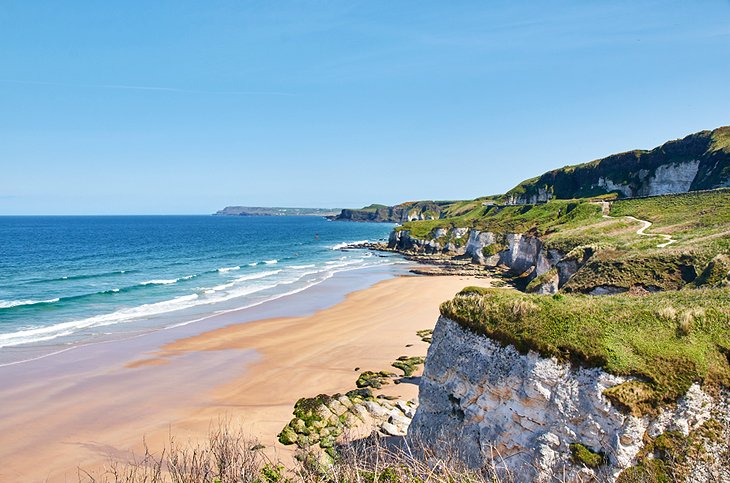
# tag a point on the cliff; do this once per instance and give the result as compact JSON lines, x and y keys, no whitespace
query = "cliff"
{"x":556,"y":383}
{"x":576,"y":387}
{"x":699,"y":161}
{"x":409,"y":211}
{"x":584,"y":246}
{"x":543,"y":419}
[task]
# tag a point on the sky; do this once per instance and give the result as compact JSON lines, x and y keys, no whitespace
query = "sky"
{"x":184,"y":107}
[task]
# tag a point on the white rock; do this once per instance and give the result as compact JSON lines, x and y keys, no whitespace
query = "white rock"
{"x":487,"y":398}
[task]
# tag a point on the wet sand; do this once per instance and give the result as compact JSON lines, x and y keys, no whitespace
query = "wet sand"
{"x":250,"y":374}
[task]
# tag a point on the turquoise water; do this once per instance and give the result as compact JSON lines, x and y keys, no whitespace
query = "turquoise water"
{"x":72,"y":280}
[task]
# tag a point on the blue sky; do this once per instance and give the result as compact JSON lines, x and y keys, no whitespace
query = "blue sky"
{"x":185,"y":107}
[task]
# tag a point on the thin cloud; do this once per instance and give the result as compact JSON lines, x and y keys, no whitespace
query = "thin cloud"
{"x":144,"y":88}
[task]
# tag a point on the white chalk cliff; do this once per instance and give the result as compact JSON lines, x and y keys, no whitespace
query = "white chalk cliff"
{"x":523,"y":411}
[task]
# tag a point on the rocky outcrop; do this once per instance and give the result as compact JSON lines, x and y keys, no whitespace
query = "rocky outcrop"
{"x":410,"y":211}
{"x":697,"y":162}
{"x":322,"y":420}
{"x":519,"y":253}
{"x":540,"y":418}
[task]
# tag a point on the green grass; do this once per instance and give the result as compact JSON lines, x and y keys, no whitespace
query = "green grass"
{"x":721,"y":140}
{"x":667,"y":340}
{"x":539,"y":219}
{"x":653,"y":271}
{"x":679,"y":213}
{"x":710,"y":148}
{"x":700,"y":222}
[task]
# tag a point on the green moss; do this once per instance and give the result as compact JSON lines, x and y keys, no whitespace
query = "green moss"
{"x":408,"y":365}
{"x":288,"y":436}
{"x":492,"y":249}
{"x":319,"y":420}
{"x":626,"y":335}
{"x":363,"y":393}
{"x":425,"y":335}
{"x":586,"y":457}
{"x":667,"y":457}
{"x":376,"y":380}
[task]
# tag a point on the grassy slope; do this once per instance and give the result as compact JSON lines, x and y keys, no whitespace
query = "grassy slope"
{"x":700,"y":222}
{"x":668,"y":340}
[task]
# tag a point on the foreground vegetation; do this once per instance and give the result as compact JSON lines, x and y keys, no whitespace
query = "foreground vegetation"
{"x":666,"y":341}
{"x":228,"y":456}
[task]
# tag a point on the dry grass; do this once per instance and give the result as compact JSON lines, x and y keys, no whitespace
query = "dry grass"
{"x":228,"y":456}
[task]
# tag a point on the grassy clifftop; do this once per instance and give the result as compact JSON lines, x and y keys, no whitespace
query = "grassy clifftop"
{"x":632,"y":173}
{"x":666,"y":340}
{"x":697,"y":222}
{"x":411,"y":210}
{"x":694,"y":219}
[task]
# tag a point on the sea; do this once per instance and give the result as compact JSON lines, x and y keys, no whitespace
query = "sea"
{"x":73,"y":280}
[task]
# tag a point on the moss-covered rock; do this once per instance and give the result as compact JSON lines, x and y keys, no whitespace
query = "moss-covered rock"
{"x":408,"y":365}
{"x":376,"y":380}
{"x":582,"y":455}
{"x":492,"y":249}
{"x":425,"y":334}
{"x":671,"y":455}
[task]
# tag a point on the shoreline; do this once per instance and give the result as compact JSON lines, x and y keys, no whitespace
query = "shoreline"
{"x":240,"y":370}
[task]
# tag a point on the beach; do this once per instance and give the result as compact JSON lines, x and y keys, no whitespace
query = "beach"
{"x":55,"y":421}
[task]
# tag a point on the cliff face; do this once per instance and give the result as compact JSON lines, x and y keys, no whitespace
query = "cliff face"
{"x":697,"y":162}
{"x":519,"y":253}
{"x":410,"y":211}
{"x":541,"y":418}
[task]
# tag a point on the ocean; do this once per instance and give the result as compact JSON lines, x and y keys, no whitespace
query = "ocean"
{"x":67,"y":281}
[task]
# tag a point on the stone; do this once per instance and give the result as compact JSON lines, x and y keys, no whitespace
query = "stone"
{"x":391,"y":429}
{"x":483,"y":396}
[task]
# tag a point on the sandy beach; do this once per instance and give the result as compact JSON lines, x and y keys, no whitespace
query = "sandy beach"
{"x":250,"y":374}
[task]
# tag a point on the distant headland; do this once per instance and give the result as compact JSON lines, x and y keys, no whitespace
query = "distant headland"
{"x":275,"y":211}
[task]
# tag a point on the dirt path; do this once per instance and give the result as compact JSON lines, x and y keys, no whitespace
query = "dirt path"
{"x":668,"y":240}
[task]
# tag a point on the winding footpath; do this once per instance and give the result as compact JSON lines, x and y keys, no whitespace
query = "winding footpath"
{"x":668,"y":240}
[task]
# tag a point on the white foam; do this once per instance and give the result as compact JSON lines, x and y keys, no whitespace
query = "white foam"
{"x":6,"y":304}
{"x":208,"y":296}
{"x":271,"y":262}
{"x":342,"y":245}
{"x":69,"y":328}
{"x":160,"y":282}
{"x":253,"y":264}
{"x":228,"y":269}
{"x":66,"y":328}
{"x":232,"y":283}
{"x":302,"y":267}
{"x":255,"y":276}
